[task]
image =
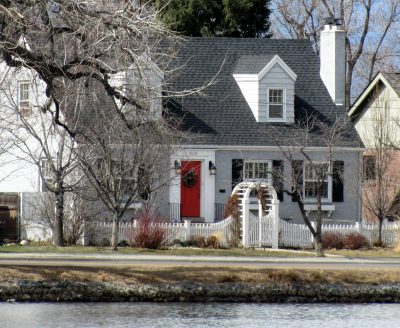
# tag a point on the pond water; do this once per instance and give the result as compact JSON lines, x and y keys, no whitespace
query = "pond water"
{"x":168,"y":315}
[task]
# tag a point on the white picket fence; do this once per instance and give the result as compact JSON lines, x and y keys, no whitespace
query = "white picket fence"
{"x":298,"y":235}
{"x":261,"y":231}
{"x":100,"y":232}
{"x":294,"y":235}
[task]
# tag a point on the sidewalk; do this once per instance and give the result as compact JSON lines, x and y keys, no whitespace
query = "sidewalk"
{"x":190,"y":259}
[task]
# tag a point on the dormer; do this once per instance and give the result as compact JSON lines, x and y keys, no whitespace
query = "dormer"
{"x":144,"y":82}
{"x":267,"y":83}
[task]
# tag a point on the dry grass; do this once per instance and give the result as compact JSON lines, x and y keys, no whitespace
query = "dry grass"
{"x":176,"y":274}
{"x":373,"y":252}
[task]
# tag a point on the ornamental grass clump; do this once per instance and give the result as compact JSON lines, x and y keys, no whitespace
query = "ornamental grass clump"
{"x":149,"y":232}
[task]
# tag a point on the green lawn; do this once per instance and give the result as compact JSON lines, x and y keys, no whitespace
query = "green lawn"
{"x":130,"y":250}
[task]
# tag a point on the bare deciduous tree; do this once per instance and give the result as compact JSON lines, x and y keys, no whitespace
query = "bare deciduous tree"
{"x":123,"y":166}
{"x":381,"y":175}
{"x":369,"y":27}
{"x":310,"y":170}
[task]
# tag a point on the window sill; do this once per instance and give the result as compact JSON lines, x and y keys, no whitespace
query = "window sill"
{"x":329,"y":208}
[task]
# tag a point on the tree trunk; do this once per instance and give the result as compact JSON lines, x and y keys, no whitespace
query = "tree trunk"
{"x":59,"y":219}
{"x":319,"y":249}
{"x":115,"y":228}
{"x":380,"y":223}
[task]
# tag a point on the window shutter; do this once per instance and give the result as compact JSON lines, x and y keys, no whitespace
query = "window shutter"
{"x":277,"y":178}
{"x":237,"y":172}
{"x":337,"y":181}
{"x":297,"y":174}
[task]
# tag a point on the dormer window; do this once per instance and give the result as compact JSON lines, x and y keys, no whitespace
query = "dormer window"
{"x":276,"y":104}
{"x":268,"y":85}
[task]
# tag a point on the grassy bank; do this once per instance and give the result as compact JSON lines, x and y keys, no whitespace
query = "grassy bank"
{"x":167,"y":274}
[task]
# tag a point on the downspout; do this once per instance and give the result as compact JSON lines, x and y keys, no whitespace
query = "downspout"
{"x":20,"y":215}
{"x":360,"y":195}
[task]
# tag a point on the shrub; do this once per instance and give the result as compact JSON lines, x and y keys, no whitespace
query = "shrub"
{"x":232,"y":209}
{"x":149,"y":232}
{"x":201,"y":242}
{"x":123,"y":243}
{"x":332,"y":240}
{"x":355,"y":240}
{"x":105,"y":242}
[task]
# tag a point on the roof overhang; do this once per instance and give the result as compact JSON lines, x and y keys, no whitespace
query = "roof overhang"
{"x":367,"y":91}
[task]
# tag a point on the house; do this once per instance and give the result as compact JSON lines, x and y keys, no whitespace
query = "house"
{"x":259,"y":90}
{"x":376,"y":117}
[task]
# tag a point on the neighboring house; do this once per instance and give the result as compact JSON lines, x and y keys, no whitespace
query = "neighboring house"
{"x":376,"y":117}
{"x":21,"y":184}
{"x":260,"y":88}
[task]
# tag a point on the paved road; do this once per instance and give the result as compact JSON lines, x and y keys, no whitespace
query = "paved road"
{"x":112,"y":260}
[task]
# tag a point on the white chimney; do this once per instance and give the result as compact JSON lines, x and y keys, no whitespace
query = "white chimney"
{"x":333,"y":59}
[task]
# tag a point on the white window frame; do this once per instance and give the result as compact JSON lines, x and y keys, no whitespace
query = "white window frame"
{"x":24,"y":104}
{"x":269,"y":170}
{"x":329,"y":178}
{"x":283,"y":119}
{"x":45,"y":170}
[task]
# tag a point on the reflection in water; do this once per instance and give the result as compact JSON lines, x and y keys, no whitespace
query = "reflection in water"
{"x":184,"y":315}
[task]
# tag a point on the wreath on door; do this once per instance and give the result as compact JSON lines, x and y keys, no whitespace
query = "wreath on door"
{"x":190,"y":179}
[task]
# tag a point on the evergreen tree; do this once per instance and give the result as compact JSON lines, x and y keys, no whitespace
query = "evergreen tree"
{"x":234,"y":18}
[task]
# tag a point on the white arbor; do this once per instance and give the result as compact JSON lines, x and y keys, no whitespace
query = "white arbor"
{"x":263,"y":228}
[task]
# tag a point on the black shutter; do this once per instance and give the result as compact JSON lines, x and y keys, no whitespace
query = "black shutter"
{"x":337,"y":181}
{"x":277,"y":178}
{"x":237,"y":172}
{"x":297,"y":175}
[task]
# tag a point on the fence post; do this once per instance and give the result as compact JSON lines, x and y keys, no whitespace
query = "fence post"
{"x":85,"y":235}
{"x":358,"y":227}
{"x":187,"y":229}
{"x":312,"y":237}
{"x":275,"y":224}
{"x":246,"y":224}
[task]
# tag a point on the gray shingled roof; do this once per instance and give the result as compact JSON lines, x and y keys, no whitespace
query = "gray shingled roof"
{"x":223,"y":117}
{"x":252,"y":64}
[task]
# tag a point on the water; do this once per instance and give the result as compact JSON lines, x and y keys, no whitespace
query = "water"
{"x":185,"y":315}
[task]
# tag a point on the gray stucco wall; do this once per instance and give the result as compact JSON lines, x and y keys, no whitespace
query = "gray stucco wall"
{"x":348,"y":210}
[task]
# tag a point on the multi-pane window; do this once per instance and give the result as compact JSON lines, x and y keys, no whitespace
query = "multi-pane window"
{"x":275,"y":103}
{"x":316,"y":176}
{"x":256,"y":170}
{"x":46,"y":169}
{"x":23,"y":95}
{"x":47,"y":173}
{"x":369,"y":168}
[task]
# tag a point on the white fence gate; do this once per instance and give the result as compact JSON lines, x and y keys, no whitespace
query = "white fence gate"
{"x":260,"y":230}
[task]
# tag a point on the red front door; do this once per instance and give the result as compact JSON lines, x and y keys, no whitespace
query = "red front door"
{"x":190,"y":188}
